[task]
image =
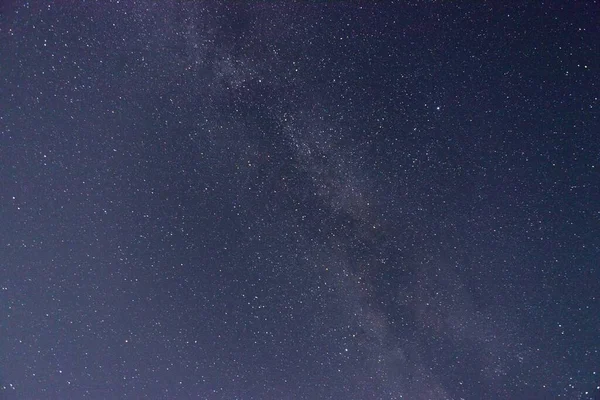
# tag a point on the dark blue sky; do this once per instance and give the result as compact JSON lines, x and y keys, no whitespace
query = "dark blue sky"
{"x":299,"y":200}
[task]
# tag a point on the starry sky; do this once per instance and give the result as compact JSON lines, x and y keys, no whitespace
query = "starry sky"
{"x":299,"y":200}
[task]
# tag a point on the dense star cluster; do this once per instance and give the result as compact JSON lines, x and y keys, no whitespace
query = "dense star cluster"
{"x":299,"y":200}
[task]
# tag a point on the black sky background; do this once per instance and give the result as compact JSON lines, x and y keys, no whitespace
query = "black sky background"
{"x":294,"y":200}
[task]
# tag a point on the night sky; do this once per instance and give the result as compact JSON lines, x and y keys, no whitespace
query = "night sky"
{"x":299,"y":200}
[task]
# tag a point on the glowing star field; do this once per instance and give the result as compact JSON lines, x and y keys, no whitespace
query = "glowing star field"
{"x":299,"y":200}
